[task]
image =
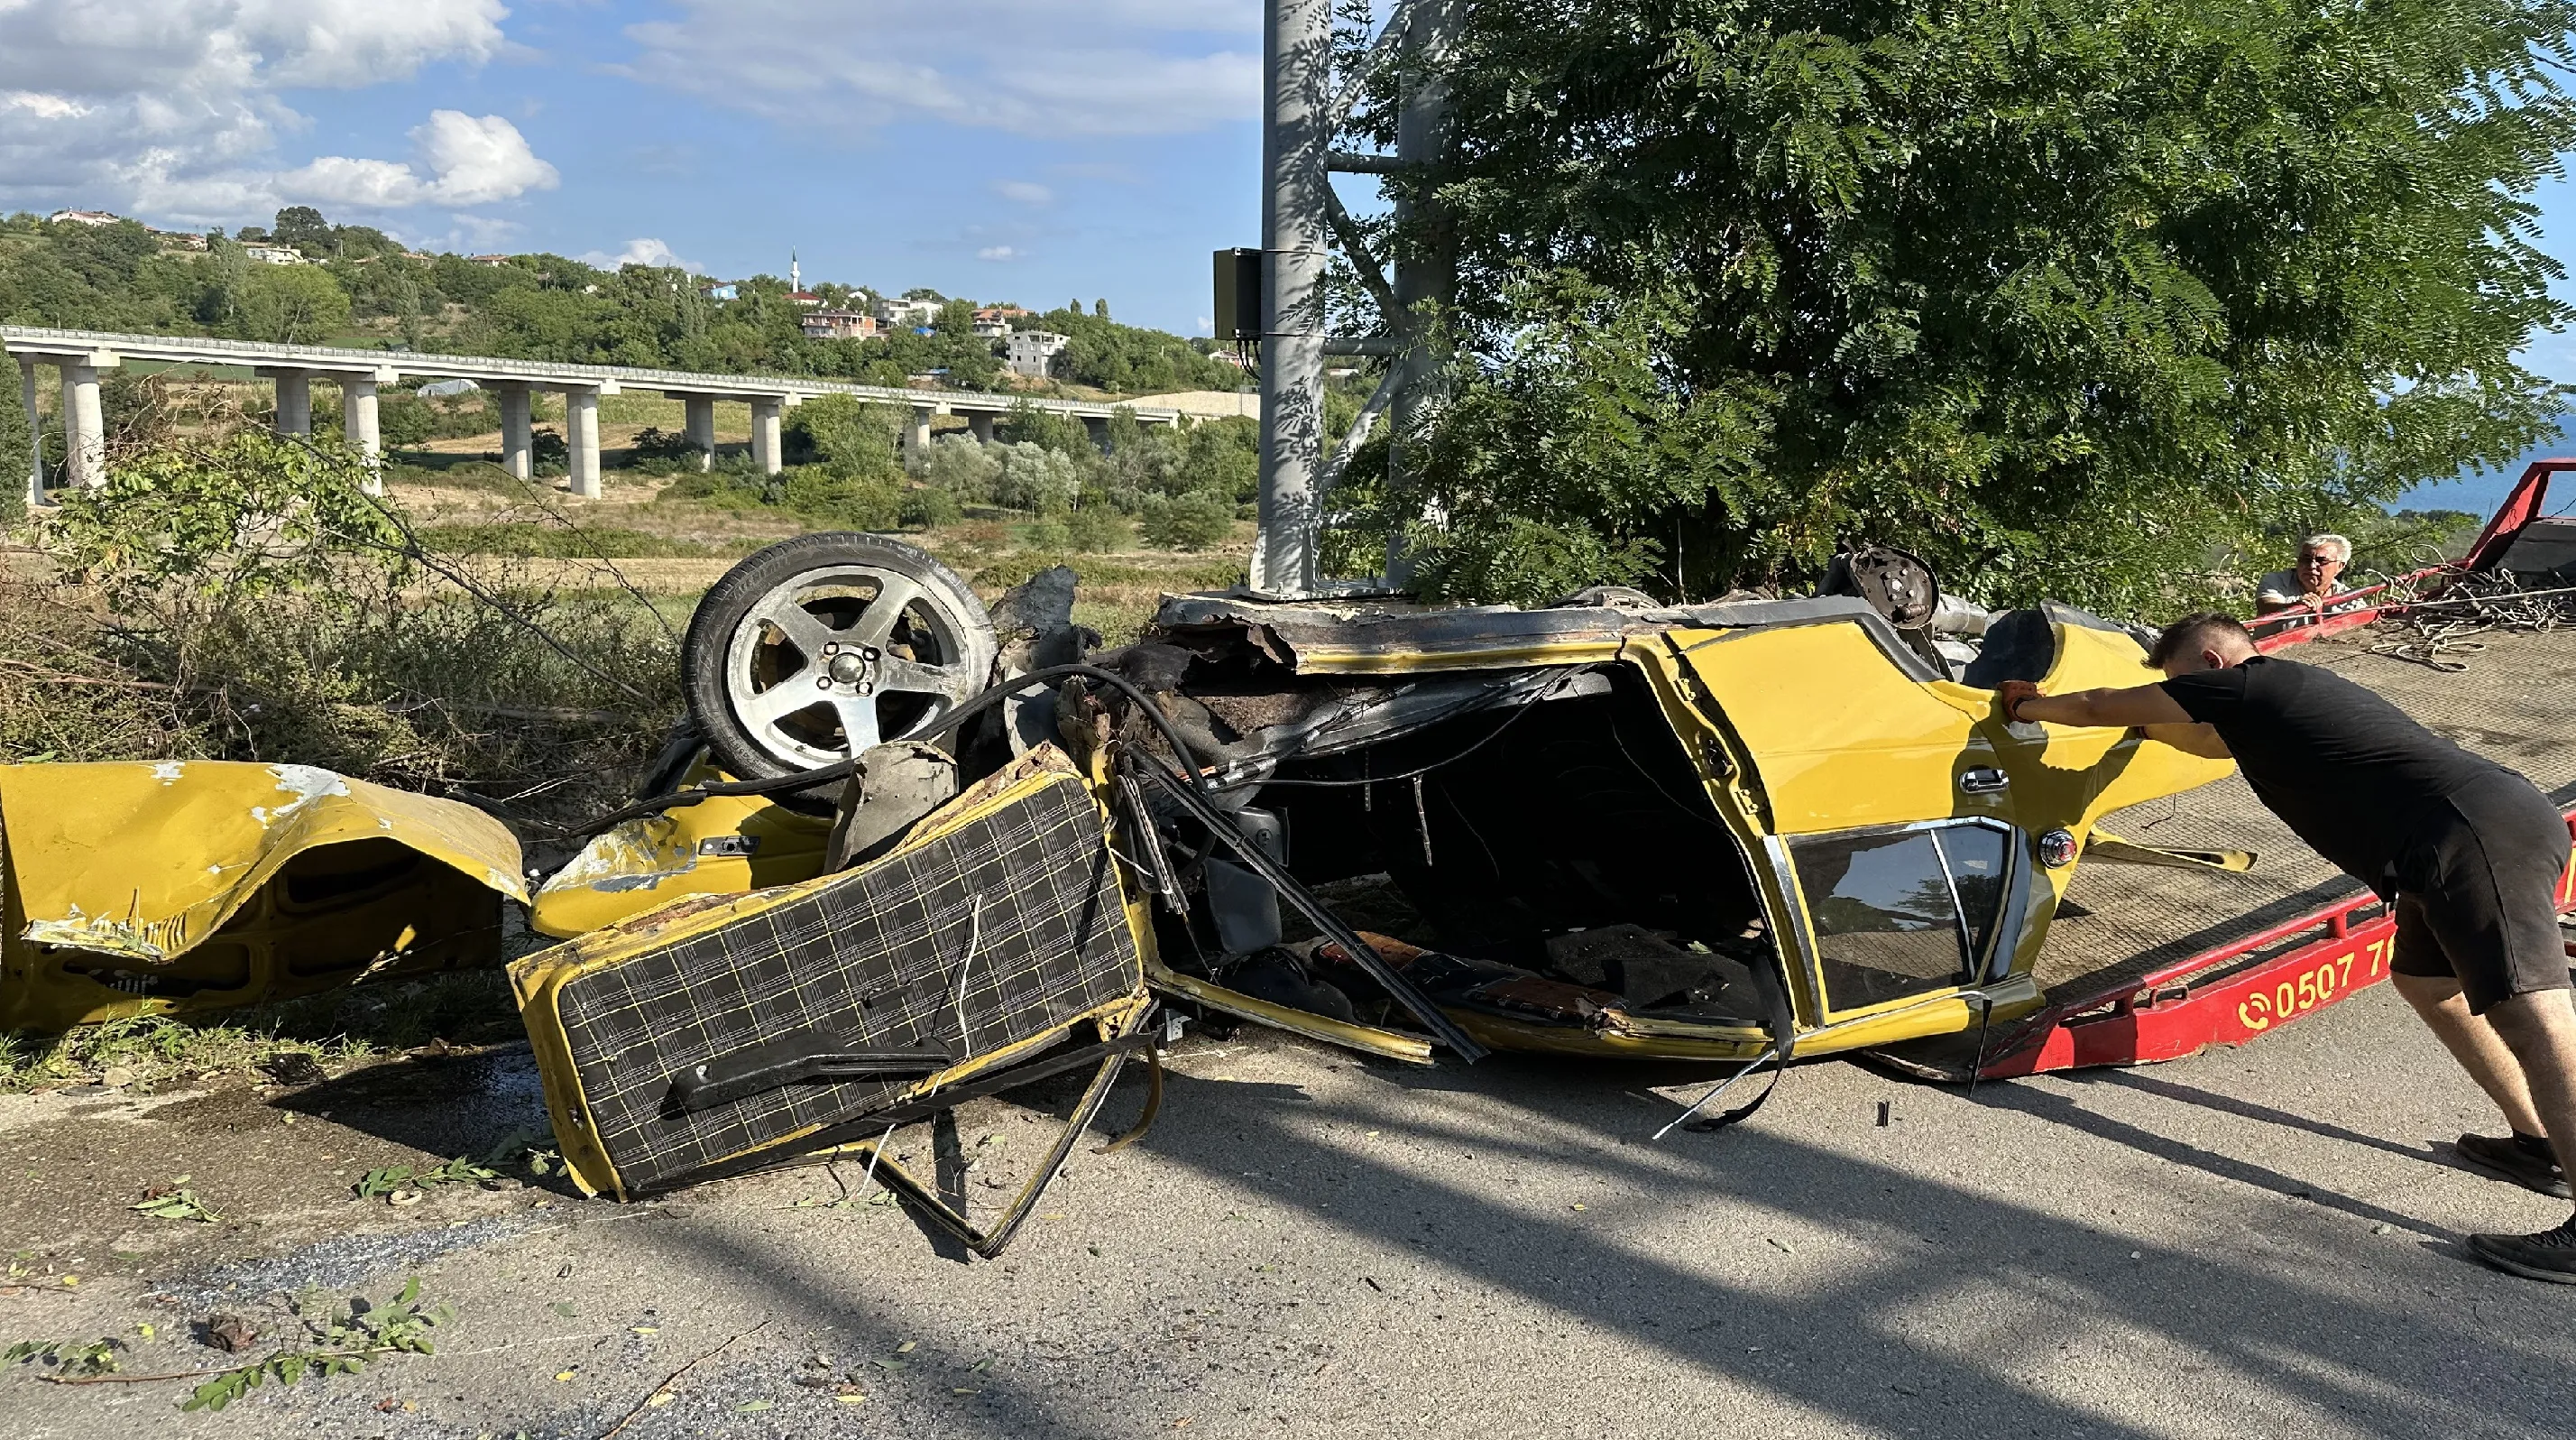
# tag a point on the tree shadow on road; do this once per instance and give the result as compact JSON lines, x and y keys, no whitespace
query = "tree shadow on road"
{"x":2010,"y":1283}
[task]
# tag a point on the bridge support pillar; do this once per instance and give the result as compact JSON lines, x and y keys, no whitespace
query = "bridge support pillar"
{"x":84,"y":428}
{"x":701,"y":427}
{"x":294,"y":402}
{"x":765,"y":410}
{"x":35,"y":430}
{"x":981,"y":422}
{"x":581,"y":437}
{"x":358,"y":425}
{"x":916,"y":438}
{"x":518,"y":445}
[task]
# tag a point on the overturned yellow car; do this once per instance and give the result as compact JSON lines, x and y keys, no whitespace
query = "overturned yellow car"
{"x":1716,"y":832}
{"x":907,"y":855}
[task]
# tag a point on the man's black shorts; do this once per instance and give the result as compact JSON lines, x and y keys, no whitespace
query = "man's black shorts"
{"x":2478,"y":892}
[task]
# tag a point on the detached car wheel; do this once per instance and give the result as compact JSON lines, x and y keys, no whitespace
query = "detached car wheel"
{"x":819,"y":647}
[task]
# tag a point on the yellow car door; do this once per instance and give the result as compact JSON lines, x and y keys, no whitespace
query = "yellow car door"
{"x":1884,"y":798}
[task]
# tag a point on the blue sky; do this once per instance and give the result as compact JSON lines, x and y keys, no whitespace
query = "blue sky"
{"x":1028,"y":150}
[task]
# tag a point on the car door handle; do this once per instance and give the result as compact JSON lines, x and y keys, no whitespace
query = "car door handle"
{"x":1983,"y":780}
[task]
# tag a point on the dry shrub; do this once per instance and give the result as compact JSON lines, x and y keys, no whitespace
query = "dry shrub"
{"x":68,"y":691}
{"x":236,"y":595}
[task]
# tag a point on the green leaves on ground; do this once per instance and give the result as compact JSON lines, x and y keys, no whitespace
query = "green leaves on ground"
{"x":515,"y":1148}
{"x":71,"y":1358}
{"x":344,"y":1343}
{"x":175,"y":1201}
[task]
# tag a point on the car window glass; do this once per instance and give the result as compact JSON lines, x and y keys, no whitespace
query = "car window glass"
{"x":1885,"y":924}
{"x":1978,"y":861}
{"x":1883,"y":907}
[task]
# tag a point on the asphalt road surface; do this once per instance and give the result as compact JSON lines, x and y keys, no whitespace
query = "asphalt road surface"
{"x":2255,"y":1242}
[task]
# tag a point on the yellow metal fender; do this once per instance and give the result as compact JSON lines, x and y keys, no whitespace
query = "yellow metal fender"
{"x":727,"y":845}
{"x":120,"y":874}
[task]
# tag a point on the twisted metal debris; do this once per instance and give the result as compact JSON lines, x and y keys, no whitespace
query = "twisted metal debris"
{"x":2436,"y":632}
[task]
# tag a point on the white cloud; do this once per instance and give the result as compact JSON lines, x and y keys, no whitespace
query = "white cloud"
{"x":996,"y":252}
{"x":1104,"y":67}
{"x":339,"y":180}
{"x":1027,"y":192}
{"x":641,"y":252}
{"x":472,"y":162}
{"x":43,"y":107}
{"x":479,"y":161}
{"x":171,"y":107}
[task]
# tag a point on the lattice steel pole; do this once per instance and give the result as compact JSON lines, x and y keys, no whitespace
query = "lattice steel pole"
{"x":1426,"y":254}
{"x":1296,"y":137}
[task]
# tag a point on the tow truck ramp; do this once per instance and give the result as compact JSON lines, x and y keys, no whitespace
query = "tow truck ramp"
{"x":2148,"y":963}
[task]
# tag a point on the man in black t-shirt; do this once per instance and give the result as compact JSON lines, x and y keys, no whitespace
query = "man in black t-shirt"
{"x":2470,"y":852}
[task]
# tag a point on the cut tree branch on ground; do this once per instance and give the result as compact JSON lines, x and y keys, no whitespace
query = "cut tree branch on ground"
{"x":613,"y":1431}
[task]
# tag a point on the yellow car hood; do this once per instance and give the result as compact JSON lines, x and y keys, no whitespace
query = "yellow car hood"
{"x":144,"y":860}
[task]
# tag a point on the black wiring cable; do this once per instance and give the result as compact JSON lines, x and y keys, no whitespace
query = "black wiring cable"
{"x":1488,"y":738}
{"x":945,"y":720}
{"x":1619,"y":739}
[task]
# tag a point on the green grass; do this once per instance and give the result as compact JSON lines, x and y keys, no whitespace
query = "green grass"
{"x":1194,"y":572}
{"x":338,"y":1027}
{"x":547,"y":542}
{"x":637,"y":407}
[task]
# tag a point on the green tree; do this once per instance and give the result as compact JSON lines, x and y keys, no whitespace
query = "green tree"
{"x":1189,"y":522}
{"x":1040,"y":481}
{"x":963,"y":467}
{"x":1026,"y":424}
{"x":303,"y":227}
{"x":290,"y":304}
{"x":2071,"y":295}
{"x":846,"y":436}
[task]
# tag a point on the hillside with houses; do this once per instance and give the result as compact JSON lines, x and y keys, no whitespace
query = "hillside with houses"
{"x":305,"y":279}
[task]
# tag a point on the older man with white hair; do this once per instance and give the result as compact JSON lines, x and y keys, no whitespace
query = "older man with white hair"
{"x":2309,"y":585}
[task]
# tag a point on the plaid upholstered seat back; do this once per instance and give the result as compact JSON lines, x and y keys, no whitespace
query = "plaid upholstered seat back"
{"x":996,"y":932}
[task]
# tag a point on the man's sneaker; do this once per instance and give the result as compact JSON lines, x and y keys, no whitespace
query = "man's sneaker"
{"x":2549,"y":1255}
{"x":2506,"y":1159}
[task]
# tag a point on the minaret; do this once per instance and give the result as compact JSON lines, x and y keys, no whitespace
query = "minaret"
{"x":795,"y":281}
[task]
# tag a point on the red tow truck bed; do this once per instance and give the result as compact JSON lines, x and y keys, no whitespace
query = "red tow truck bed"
{"x":2147,"y":964}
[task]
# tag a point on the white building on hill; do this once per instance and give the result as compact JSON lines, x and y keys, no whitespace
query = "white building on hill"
{"x":1033,"y":352}
{"x":906,"y":314}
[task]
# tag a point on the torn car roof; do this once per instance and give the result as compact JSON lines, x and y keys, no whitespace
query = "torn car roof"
{"x":1379,"y":636}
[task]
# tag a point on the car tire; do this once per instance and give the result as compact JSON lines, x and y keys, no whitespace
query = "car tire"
{"x":806,"y":617}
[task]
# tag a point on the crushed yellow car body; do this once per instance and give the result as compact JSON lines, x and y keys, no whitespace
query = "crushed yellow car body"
{"x":1625,"y":860}
{"x":1672,"y":835}
{"x":149,"y":887}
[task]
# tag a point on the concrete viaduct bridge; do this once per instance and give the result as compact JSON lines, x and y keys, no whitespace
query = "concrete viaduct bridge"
{"x":78,"y":356}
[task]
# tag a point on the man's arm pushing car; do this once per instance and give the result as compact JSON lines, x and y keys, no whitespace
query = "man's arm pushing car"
{"x":2147,"y":707}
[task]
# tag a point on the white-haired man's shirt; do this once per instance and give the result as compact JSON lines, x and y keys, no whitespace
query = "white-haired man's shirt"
{"x":2282,"y":587}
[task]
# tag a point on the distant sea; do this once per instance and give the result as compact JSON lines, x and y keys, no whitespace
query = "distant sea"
{"x":2480,"y":491}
